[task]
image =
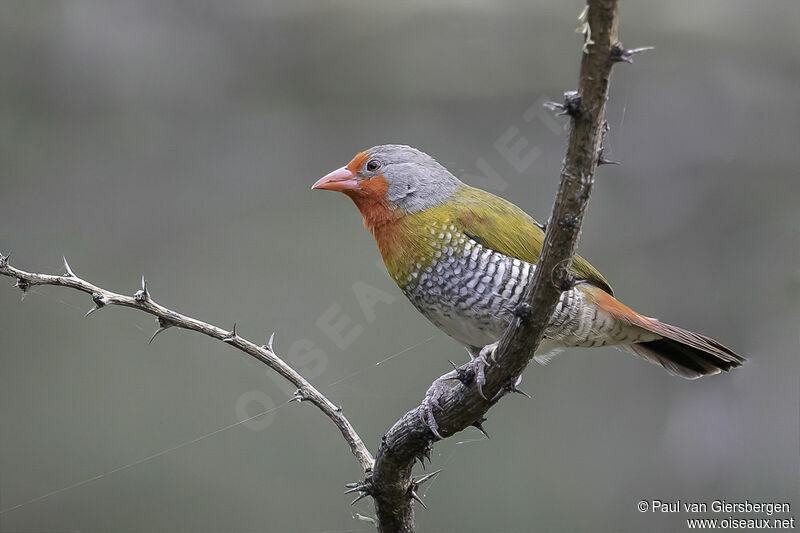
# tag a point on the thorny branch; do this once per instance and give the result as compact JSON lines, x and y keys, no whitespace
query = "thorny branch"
{"x":388,"y":478}
{"x":167,"y":318}
{"x":465,"y":405}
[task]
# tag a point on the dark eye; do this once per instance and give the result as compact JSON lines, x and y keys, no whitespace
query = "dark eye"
{"x":373,"y":165}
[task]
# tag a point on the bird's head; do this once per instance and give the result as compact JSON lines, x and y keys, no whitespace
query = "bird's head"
{"x":391,"y":180}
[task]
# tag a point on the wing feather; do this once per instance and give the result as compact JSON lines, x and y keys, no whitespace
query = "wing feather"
{"x":502,"y":226}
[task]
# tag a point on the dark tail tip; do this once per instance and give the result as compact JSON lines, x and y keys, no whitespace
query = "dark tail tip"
{"x":703,"y":357}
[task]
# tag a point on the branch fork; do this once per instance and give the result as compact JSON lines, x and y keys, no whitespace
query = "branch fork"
{"x":388,"y":477}
{"x":463,"y":405}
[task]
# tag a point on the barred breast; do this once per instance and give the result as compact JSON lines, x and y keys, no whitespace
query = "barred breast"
{"x":470,"y":292}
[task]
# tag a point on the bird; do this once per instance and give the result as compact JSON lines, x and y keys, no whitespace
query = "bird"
{"x":463,"y":257}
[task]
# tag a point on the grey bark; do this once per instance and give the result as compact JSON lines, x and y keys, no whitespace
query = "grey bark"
{"x":387,"y":478}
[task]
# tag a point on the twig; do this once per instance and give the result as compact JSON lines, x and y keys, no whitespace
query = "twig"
{"x":410,"y":439}
{"x":388,"y":478}
{"x":168,"y":318}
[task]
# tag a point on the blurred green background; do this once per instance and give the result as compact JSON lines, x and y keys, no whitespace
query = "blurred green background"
{"x":179,"y":139}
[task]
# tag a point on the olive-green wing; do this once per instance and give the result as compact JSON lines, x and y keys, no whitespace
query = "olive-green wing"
{"x":502,"y":226}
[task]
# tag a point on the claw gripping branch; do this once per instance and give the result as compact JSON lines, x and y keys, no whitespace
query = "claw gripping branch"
{"x":463,"y":405}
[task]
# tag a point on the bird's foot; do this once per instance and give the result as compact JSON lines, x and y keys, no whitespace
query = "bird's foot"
{"x":432,"y":397}
{"x":480,"y":363}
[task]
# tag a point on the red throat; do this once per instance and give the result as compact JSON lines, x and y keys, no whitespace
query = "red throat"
{"x":369,"y":195}
{"x":370,"y":199}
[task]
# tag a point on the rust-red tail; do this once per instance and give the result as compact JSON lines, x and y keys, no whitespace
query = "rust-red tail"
{"x":681,"y":352}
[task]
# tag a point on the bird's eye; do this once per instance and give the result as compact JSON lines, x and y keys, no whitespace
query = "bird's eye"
{"x":373,"y":165}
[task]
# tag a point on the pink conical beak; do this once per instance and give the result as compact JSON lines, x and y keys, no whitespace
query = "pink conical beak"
{"x":338,"y":180}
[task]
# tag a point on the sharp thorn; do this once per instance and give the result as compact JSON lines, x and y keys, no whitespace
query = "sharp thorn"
{"x":499,"y":394}
{"x":142,"y":294}
{"x":69,"y":273}
{"x":232,"y":335}
{"x":604,"y":161}
{"x":361,"y":497}
{"x":99,"y":303}
{"x":571,"y":105}
{"x":464,"y":376}
{"x":553,"y":106}
{"x":416,"y":497}
{"x":301,"y":395}
{"x":478,"y":424}
{"x":159,"y":330}
{"x":163,"y":325}
{"x":520,"y":391}
{"x":512,"y":387}
{"x":358,"y":488}
{"x":4,"y":260}
{"x":352,"y":484}
{"x":620,"y":53}
{"x":23,"y":285}
{"x":419,"y":481}
{"x":269,"y":344}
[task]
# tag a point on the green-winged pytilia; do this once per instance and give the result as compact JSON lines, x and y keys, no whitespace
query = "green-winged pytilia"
{"x":463,"y":257}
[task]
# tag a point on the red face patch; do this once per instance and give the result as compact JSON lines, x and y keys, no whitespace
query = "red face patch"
{"x":357,"y":162}
{"x":370,"y":198}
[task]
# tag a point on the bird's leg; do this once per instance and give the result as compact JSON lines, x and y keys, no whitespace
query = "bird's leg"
{"x":480,"y":363}
{"x":466,"y":374}
{"x":432,"y":396}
